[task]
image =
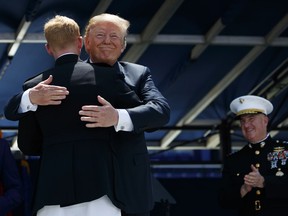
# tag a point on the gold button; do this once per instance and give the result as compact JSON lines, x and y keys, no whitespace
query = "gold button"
{"x":258,"y":192}
{"x":257,"y":165}
{"x":257,"y":152}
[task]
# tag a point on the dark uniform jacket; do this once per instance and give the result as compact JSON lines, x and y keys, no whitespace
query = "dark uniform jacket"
{"x":10,"y":181}
{"x":271,"y":158}
{"x":79,"y":164}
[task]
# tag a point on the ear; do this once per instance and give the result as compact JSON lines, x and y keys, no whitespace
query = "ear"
{"x":80,"y":42}
{"x":48,"y":49}
{"x":86,"y":44}
{"x":266,"y":120}
{"x":124,"y":45}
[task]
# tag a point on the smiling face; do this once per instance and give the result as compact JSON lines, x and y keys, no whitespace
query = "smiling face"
{"x":254,"y":127}
{"x":105,"y":42}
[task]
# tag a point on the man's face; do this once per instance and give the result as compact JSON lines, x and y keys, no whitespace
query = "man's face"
{"x":254,"y":127}
{"x":104,"y":43}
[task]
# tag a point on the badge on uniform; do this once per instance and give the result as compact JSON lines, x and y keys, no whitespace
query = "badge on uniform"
{"x":279,"y":173}
{"x":278,"y":154}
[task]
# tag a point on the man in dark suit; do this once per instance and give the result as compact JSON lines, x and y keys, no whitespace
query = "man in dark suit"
{"x":255,"y":179}
{"x":105,"y":40}
{"x":129,"y":158}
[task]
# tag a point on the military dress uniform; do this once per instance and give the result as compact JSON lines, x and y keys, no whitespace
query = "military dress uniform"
{"x":271,"y":158}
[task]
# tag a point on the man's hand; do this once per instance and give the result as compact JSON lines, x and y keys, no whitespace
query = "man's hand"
{"x":245,"y":189}
{"x":254,"y":178}
{"x":46,"y":94}
{"x":99,"y":116}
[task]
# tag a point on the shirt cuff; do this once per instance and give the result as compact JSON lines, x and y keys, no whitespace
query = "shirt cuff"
{"x":124,"y":121}
{"x":25,"y":104}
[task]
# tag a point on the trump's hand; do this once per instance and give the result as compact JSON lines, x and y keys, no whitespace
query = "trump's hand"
{"x":99,"y":116}
{"x":45,"y":94}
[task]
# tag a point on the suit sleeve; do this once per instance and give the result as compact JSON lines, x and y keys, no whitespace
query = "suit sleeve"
{"x":154,"y":111}
{"x":11,"y":108}
{"x":29,"y":132}
{"x":10,"y":179}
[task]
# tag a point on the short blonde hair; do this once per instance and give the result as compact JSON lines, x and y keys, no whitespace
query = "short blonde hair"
{"x":61,"y":31}
{"x":122,"y":23}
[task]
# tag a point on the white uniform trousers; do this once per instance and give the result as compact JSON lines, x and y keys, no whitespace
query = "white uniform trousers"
{"x":99,"y":207}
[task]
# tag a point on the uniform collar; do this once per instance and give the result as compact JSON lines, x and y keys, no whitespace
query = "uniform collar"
{"x":67,"y":58}
{"x":260,"y":144}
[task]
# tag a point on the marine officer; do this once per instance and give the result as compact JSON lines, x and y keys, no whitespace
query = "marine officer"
{"x":255,"y":179}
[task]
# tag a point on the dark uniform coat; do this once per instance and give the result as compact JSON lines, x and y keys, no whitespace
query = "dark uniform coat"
{"x":271,"y":158}
{"x":10,"y":180}
{"x":79,"y":164}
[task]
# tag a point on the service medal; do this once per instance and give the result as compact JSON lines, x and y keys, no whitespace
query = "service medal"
{"x":279,"y":173}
